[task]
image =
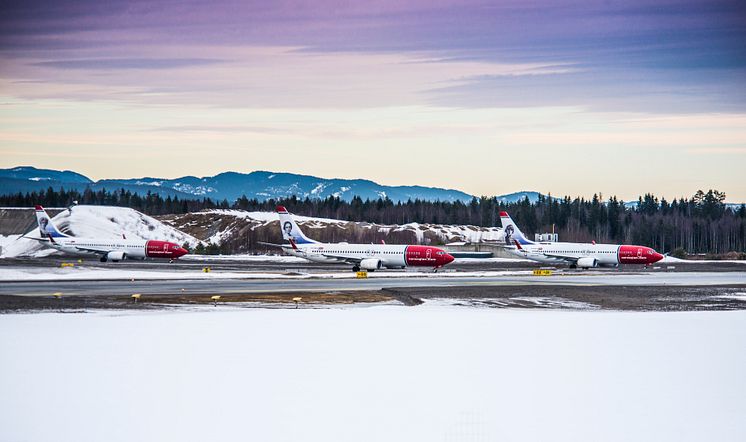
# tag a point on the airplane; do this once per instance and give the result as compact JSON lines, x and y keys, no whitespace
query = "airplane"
{"x":368,"y":257}
{"x":107,"y":249}
{"x":583,"y":255}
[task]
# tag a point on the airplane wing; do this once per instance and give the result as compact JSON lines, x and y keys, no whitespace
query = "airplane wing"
{"x":89,"y":249}
{"x":36,"y":239}
{"x":570,"y":259}
{"x":346,"y":259}
{"x":271,"y":244}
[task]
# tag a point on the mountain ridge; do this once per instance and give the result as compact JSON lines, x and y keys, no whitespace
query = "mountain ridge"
{"x":231,"y":185}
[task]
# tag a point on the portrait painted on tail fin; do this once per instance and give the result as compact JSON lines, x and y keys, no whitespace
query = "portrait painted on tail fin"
{"x":509,"y":235}
{"x":43,"y":223}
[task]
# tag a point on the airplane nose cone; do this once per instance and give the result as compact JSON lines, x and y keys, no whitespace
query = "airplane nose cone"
{"x":181,"y":251}
{"x":656,"y":257}
{"x":447,"y":258}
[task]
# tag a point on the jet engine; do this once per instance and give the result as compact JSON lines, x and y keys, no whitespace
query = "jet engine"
{"x":585,"y":263}
{"x":114,"y":256}
{"x":370,"y":264}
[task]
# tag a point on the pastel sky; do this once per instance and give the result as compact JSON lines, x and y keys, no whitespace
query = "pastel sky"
{"x":489,"y":97}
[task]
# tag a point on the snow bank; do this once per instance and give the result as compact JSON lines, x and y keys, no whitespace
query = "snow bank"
{"x":111,"y":222}
{"x":673,"y":260}
{"x":15,"y":245}
{"x":428,"y":373}
{"x":467,"y":233}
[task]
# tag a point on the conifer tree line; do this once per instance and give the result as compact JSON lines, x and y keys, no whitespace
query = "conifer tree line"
{"x":699,"y":224}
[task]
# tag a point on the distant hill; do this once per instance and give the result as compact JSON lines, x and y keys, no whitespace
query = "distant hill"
{"x":264,"y":185}
{"x":44,"y":175}
{"x":29,"y":179}
{"x":261,"y":185}
{"x":519,"y":196}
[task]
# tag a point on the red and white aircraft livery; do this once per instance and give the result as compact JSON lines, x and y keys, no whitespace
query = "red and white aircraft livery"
{"x":362,"y":256}
{"x":583,"y":255}
{"x":107,"y":249}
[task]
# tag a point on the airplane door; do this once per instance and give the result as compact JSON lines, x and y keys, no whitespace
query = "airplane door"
{"x":429,"y":253}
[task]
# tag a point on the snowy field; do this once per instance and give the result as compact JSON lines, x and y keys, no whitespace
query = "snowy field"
{"x":434,"y":373}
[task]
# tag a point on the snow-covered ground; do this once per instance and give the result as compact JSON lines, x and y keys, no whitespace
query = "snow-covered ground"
{"x":736,"y":296}
{"x":96,"y":222}
{"x":12,"y":246}
{"x":434,"y":373}
{"x":472,"y":234}
{"x":672,"y":260}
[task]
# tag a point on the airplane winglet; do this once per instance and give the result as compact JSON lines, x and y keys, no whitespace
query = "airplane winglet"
{"x":292,"y":243}
{"x":517,"y":244}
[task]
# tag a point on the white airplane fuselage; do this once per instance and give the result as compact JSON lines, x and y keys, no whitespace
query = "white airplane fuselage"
{"x":605,"y":255}
{"x":385,"y":255}
{"x":116,"y":249}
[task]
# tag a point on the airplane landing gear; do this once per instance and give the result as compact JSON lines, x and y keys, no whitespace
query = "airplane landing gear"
{"x":356,"y":268}
{"x":103,"y":259}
